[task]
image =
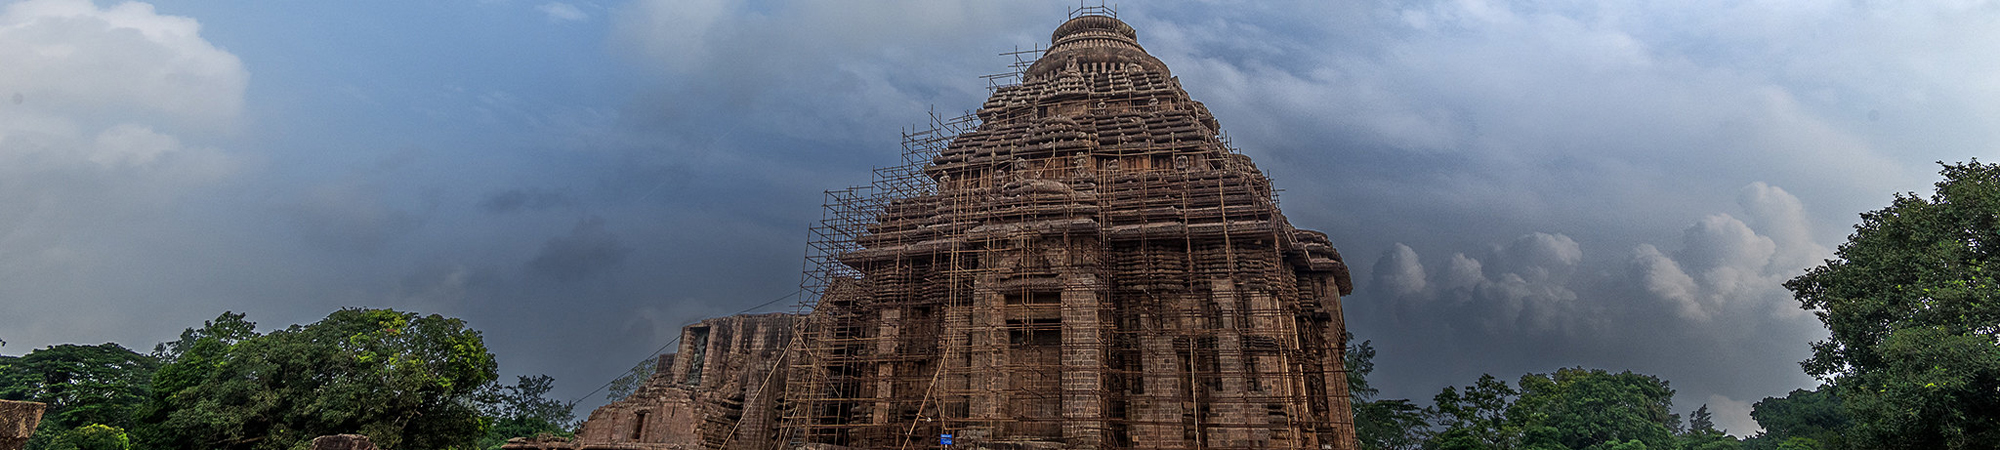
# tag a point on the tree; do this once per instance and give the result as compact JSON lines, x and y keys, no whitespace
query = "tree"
{"x":92,"y":437}
{"x":626,"y":384}
{"x":1701,"y":433}
{"x":1808,"y":417}
{"x":1913,"y":305}
{"x":522,"y":410}
{"x":404,"y":380}
{"x":82,"y":384}
{"x":1592,"y":408}
{"x":1475,"y":417}
{"x":1380,"y":424}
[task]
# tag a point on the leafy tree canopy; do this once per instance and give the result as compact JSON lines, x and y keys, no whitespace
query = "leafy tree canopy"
{"x":1588,"y":408}
{"x":82,"y":384}
{"x":1380,"y":424}
{"x":405,"y":380}
{"x":1812,"y":417}
{"x":523,"y":410}
{"x":1475,"y":417}
{"x":92,"y":437}
{"x":1913,"y":305}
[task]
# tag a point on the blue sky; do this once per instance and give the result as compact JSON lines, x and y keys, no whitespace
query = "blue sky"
{"x":1518,"y":186}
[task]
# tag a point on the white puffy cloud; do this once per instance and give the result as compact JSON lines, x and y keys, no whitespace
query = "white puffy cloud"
{"x":1399,"y":272}
{"x":1697,"y":314}
{"x":106,"y":119}
{"x":1728,"y":266}
{"x":1520,"y":287}
{"x":73,"y":60}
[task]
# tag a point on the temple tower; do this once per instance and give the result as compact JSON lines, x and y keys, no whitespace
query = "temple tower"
{"x":1085,"y":263}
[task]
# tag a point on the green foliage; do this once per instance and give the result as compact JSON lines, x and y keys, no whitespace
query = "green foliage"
{"x":406,"y":381}
{"x":1810,"y":417}
{"x":1475,"y":417}
{"x":82,"y":384}
{"x":1570,"y":409}
{"x":227,"y":329}
{"x":1581,"y":408}
{"x":522,"y":410}
{"x":1799,"y":443}
{"x":1701,"y":433}
{"x":92,"y":437}
{"x":1359,"y":360}
{"x":1380,"y":424}
{"x":1914,"y":309}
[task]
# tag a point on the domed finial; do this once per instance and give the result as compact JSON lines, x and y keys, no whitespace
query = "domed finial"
{"x":1094,"y":35}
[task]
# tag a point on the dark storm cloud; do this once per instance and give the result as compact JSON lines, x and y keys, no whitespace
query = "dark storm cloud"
{"x":587,"y":251}
{"x":351,"y":216}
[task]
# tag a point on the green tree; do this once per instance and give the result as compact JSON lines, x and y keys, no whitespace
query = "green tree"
{"x":1914,"y":309}
{"x":1475,"y":417}
{"x":92,"y":437}
{"x":1591,"y":408}
{"x":1810,"y":417}
{"x":1380,"y":424}
{"x":523,"y":410}
{"x":404,"y":380}
{"x":626,"y":384}
{"x":82,"y":384}
{"x":1701,"y":433}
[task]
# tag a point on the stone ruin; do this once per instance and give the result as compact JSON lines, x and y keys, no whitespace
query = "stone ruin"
{"x":17,"y":423}
{"x":1085,"y":263}
{"x":719,"y":389}
{"x":343,"y":442}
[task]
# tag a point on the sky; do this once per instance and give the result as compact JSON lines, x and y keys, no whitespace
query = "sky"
{"x":1517,"y":186}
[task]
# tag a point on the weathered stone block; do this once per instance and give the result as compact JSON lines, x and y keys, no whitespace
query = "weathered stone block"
{"x":17,"y":423}
{"x":343,"y":442}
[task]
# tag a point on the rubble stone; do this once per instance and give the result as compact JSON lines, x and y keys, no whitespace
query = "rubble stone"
{"x":17,"y":423}
{"x":343,"y":442}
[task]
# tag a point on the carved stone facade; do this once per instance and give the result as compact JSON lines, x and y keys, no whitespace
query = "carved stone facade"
{"x":718,"y":391}
{"x":1091,"y":267}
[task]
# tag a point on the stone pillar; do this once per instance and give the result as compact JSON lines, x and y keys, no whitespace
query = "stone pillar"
{"x":1083,"y":357}
{"x":1229,"y":418}
{"x":888,"y":332}
{"x":1340,"y":412}
{"x":957,"y":361}
{"x":1160,"y":410}
{"x":987,"y":346}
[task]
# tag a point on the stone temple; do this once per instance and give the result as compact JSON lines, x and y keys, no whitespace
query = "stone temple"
{"x":1083,"y":263}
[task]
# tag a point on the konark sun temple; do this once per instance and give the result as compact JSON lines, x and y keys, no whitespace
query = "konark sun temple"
{"x":1083,"y":263}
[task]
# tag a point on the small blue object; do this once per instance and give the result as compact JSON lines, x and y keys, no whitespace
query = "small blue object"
{"x":944,"y":439}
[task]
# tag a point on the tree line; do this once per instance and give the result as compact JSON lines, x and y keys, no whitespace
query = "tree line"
{"x":405,"y":380}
